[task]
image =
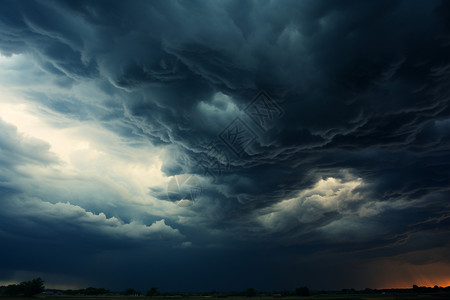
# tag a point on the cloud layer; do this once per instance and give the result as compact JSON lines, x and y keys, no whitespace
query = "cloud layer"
{"x":342,"y":110}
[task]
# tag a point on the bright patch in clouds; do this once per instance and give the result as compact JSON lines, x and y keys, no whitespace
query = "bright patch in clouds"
{"x":329,"y":195}
{"x":95,"y":168}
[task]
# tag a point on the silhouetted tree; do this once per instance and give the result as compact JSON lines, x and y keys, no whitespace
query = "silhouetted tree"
{"x":71,"y":292}
{"x":25,"y":288}
{"x":13,"y":289}
{"x":130,"y":291}
{"x":153,"y":291}
{"x":33,"y":287}
{"x":94,"y":291}
{"x":302,"y":291}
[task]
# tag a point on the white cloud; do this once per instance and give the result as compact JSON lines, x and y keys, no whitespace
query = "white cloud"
{"x":63,"y":213}
{"x":328,"y":195}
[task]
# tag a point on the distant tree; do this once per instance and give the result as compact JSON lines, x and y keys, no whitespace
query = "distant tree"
{"x":348,"y":291}
{"x":13,"y":289}
{"x":25,"y":288}
{"x":417,"y":289}
{"x":302,"y":291}
{"x":153,"y":291}
{"x":250,"y":292}
{"x":33,"y":287}
{"x":94,"y":291}
{"x":130,"y":291}
{"x":71,"y":292}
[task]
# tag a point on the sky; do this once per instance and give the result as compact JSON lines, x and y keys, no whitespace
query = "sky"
{"x":222,"y":145}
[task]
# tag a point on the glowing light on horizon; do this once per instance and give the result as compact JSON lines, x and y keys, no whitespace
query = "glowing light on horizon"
{"x":429,"y":275}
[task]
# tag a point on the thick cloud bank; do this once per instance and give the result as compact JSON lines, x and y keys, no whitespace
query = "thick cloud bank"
{"x":309,"y":134}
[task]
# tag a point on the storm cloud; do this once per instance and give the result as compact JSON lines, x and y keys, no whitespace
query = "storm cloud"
{"x":118,"y":138}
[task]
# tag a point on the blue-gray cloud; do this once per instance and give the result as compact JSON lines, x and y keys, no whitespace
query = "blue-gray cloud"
{"x":356,"y":161}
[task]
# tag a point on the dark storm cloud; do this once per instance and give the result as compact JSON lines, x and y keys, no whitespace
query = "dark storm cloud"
{"x":363,"y":88}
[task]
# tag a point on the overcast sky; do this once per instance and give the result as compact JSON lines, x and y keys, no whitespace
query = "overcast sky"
{"x":221,"y":145}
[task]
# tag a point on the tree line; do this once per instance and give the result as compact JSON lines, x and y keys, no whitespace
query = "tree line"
{"x":153,"y":291}
{"x":36,"y":286}
{"x":25,"y":288}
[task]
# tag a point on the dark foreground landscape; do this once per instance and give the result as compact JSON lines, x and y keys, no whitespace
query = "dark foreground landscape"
{"x":36,"y":289}
{"x":331,"y":295}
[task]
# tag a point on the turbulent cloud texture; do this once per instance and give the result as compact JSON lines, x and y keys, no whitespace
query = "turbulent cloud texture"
{"x":116,"y":150}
